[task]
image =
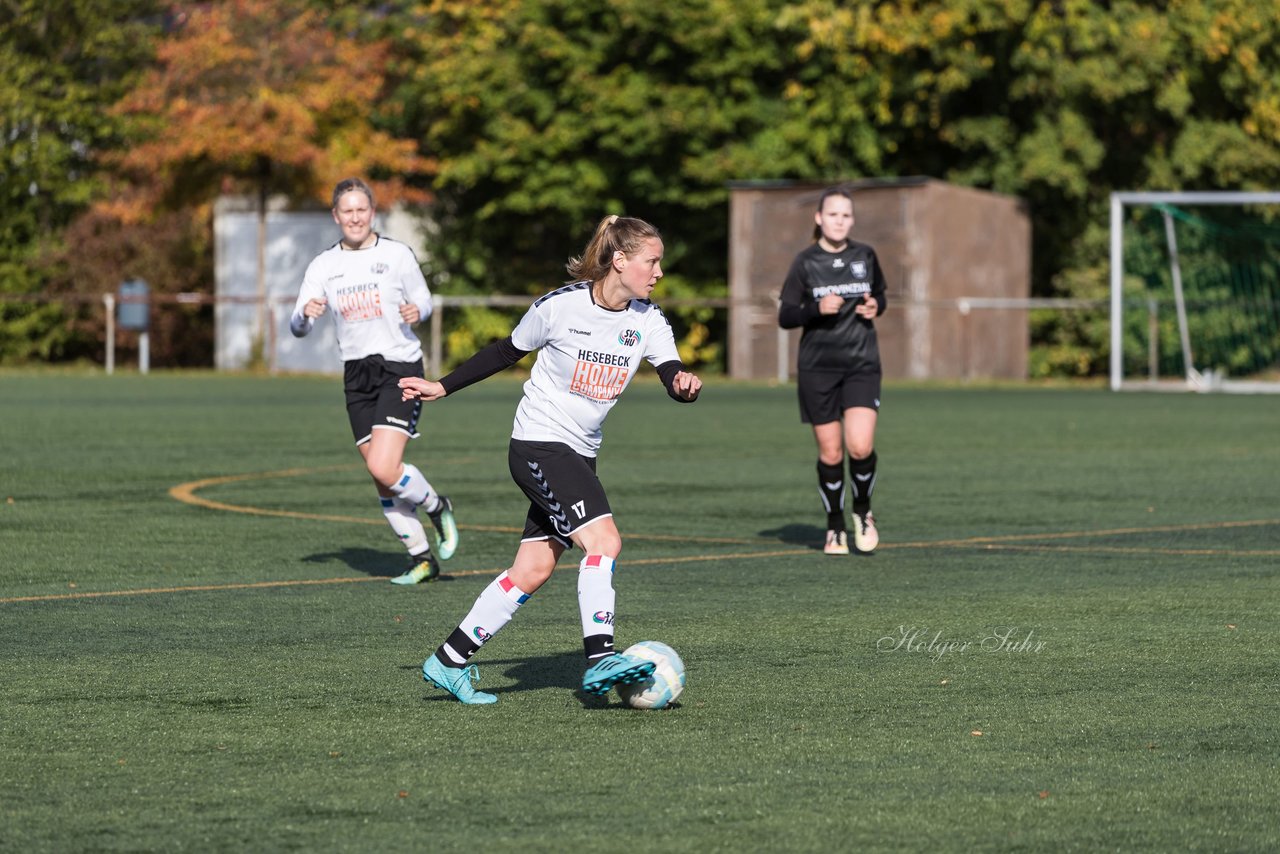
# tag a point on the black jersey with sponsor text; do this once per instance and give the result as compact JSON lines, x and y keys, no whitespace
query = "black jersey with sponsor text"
{"x":833,"y":342}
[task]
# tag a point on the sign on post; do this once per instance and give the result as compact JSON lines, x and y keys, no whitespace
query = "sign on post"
{"x":134,"y":314}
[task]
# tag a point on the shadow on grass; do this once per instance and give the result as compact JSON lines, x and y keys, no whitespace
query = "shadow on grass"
{"x":562,"y":670}
{"x":797,"y":535}
{"x":377,"y":564}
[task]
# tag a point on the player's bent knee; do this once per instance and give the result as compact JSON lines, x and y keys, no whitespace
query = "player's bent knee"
{"x":529,"y":577}
{"x":384,"y":473}
{"x":611,"y":548}
{"x":609,"y":545}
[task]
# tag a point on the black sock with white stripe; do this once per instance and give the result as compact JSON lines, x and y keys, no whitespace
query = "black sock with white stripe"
{"x":831,"y":488}
{"x":862,"y":480}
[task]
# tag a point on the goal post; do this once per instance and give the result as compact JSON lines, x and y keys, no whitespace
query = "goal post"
{"x":1225,"y":298}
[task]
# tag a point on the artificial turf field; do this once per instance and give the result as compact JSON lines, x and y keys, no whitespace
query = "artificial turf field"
{"x":1067,"y":640}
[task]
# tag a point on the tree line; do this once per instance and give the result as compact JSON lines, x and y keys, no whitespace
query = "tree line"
{"x":519,"y":123}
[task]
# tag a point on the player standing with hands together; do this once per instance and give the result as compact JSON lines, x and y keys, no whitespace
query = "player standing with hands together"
{"x":591,"y":336}
{"x":377,"y":292}
{"x":834,"y":290}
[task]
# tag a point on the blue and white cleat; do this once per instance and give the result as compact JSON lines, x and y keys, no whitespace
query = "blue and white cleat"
{"x":446,"y":528}
{"x":617,"y":669}
{"x":458,"y":681}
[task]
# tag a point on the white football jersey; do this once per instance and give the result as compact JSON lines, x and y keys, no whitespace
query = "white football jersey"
{"x":587,"y":355}
{"x":365,"y":289}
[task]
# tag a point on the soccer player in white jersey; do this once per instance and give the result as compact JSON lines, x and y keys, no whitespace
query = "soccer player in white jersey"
{"x":376,"y":290}
{"x":591,"y":336}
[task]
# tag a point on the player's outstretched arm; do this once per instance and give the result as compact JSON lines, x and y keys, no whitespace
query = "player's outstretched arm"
{"x":686,"y":386}
{"x":416,"y":388}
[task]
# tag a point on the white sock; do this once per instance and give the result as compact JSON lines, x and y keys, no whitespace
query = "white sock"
{"x":596,"y":599}
{"x":404,"y":521}
{"x":414,"y":488}
{"x":493,"y":609}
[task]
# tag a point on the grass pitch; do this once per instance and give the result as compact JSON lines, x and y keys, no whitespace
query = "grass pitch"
{"x":1065,"y":641}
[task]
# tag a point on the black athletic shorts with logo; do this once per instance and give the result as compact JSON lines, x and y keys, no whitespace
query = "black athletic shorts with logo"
{"x":372,"y":385}
{"x":564,"y":492}
{"x":825,"y":395}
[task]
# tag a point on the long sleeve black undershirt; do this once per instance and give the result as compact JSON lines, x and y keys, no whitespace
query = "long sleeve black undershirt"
{"x":501,"y":355}
{"x":667,"y":373}
{"x":795,"y":314}
{"x":487,"y":361}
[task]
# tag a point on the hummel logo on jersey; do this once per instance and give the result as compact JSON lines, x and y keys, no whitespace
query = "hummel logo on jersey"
{"x":379,"y":268}
{"x":629,"y":338}
{"x":579,"y":332}
{"x":837,"y":263}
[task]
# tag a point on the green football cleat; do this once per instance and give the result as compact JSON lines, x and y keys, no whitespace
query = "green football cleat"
{"x":458,"y":681}
{"x":446,"y":528}
{"x":617,"y":669}
{"x":425,"y":568}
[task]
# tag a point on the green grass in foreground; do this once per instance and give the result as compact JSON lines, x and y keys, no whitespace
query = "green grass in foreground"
{"x":257,"y":684}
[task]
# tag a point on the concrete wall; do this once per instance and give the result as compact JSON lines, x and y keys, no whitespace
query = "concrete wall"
{"x":938,"y":244}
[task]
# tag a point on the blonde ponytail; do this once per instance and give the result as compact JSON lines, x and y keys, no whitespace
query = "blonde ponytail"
{"x":614,"y":234}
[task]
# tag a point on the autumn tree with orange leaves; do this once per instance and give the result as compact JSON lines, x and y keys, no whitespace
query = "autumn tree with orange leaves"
{"x":259,"y":97}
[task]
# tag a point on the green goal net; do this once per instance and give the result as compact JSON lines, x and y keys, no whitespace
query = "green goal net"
{"x":1195,"y":301}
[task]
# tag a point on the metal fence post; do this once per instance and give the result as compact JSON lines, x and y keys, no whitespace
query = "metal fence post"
{"x":109,"y":301}
{"x":437,"y":332}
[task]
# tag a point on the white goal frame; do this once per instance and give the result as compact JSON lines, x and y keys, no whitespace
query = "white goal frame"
{"x":1195,"y":381}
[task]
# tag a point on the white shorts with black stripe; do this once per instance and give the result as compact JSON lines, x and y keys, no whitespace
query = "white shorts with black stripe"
{"x":564,"y":492}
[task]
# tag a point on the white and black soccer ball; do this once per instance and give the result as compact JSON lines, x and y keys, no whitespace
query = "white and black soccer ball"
{"x":662,"y":688}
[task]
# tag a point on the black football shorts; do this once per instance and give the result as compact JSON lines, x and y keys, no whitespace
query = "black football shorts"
{"x":825,"y":395}
{"x":564,"y":492}
{"x":372,"y":386}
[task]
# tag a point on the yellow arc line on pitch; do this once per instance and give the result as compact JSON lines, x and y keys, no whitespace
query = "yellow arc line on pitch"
{"x":186,"y":493}
{"x":305,"y":582}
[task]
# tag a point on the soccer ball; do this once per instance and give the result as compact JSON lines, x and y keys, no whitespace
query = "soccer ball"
{"x":662,"y":688}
